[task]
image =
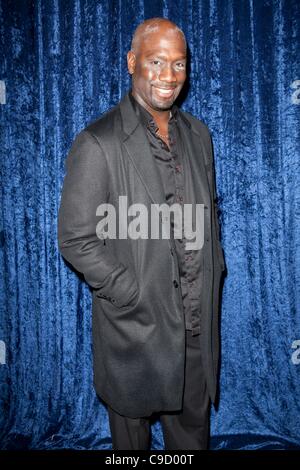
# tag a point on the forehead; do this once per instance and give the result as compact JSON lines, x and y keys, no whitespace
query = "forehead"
{"x":168,"y":42}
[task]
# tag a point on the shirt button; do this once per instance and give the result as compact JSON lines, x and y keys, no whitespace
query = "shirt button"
{"x":175,"y":283}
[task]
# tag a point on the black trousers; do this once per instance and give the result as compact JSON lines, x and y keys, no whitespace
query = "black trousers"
{"x":185,"y":429}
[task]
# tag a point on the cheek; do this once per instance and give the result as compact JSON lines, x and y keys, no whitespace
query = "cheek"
{"x":148,"y":73}
{"x":181,"y":77}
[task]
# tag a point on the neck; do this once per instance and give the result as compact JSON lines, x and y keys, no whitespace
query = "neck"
{"x":161,"y":117}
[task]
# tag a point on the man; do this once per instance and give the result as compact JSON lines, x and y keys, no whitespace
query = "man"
{"x":155,"y":302}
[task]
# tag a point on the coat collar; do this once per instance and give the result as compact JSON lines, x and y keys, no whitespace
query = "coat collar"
{"x":130,"y":120}
{"x":139,"y":152}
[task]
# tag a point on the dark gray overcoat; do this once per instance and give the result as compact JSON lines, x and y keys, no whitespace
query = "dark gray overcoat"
{"x":138,"y":320}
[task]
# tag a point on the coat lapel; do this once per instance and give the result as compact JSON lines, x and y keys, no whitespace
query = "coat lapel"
{"x":195,"y":158}
{"x":138,"y":149}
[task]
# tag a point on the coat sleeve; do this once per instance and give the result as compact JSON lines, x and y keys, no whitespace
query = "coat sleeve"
{"x":86,"y":186}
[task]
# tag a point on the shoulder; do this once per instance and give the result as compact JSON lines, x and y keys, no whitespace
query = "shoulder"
{"x":101,"y":133}
{"x":201,"y":130}
{"x":196,"y":125}
{"x":95,"y":136}
{"x":105,"y":124}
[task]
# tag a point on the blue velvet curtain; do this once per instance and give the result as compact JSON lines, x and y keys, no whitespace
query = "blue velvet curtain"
{"x":63,"y":63}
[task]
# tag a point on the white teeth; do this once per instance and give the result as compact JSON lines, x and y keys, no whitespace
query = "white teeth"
{"x":165,"y":91}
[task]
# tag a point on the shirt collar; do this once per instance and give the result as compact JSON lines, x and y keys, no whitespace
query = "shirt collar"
{"x":146,"y":117}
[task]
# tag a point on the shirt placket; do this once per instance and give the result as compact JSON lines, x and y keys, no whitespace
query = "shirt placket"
{"x":186,"y":256}
{"x":190,"y":286}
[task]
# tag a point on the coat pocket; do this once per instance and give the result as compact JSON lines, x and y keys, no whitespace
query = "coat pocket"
{"x":121,"y":290}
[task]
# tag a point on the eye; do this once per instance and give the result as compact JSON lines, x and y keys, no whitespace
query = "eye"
{"x":180,"y":65}
{"x":155,"y":62}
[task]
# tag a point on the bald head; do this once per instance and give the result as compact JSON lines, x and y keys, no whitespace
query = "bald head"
{"x":154,"y":25}
{"x":157,"y":64}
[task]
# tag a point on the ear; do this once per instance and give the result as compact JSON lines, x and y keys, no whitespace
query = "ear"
{"x":131,"y":61}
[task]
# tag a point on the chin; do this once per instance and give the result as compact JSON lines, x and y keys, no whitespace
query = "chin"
{"x":162,"y":106}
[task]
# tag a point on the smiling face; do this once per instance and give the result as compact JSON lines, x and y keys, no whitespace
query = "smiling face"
{"x":158,"y":68}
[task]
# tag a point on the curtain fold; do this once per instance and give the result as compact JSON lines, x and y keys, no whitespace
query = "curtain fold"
{"x":63,"y":64}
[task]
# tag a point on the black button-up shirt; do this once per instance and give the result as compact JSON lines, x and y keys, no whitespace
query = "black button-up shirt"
{"x":170,"y":165}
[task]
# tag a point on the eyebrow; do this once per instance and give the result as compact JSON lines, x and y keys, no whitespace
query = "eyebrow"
{"x":162,"y":56}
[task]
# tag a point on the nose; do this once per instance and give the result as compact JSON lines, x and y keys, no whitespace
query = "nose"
{"x":167,"y":74}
